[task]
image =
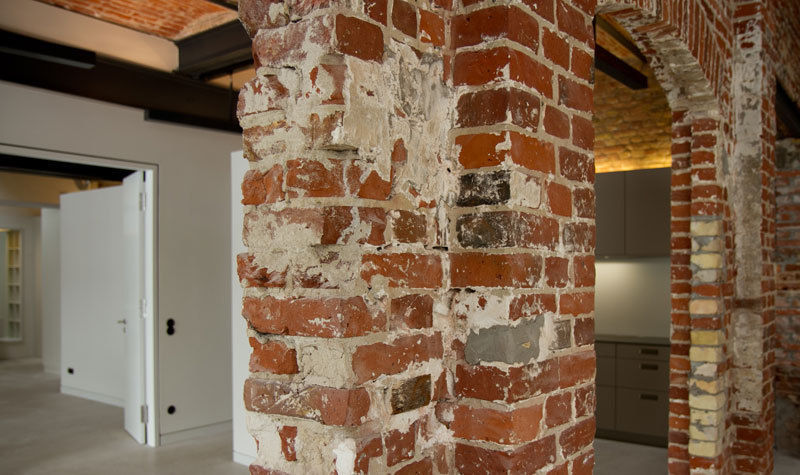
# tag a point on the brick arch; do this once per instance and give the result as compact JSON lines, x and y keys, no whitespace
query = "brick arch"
{"x":701,"y":234}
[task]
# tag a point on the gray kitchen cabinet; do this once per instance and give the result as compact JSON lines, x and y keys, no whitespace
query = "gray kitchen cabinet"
{"x":647,"y":212}
{"x":632,"y":389}
{"x":633,"y":213}
{"x":610,"y":213}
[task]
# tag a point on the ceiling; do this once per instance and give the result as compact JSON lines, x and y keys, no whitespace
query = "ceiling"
{"x":169,"y":19}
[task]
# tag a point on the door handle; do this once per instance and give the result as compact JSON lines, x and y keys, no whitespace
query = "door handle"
{"x":124,"y":323}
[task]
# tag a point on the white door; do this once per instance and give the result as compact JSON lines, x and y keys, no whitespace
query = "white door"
{"x":102,"y":291}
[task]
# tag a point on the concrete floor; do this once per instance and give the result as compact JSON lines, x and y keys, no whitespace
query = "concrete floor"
{"x":45,"y":432}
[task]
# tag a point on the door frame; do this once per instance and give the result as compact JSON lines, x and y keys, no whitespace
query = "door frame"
{"x":150,"y":333}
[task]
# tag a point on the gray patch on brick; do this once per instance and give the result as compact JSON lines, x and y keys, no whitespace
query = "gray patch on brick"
{"x":562,"y":331}
{"x":510,"y":345}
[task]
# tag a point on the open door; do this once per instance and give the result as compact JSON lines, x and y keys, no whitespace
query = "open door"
{"x":103,"y":298}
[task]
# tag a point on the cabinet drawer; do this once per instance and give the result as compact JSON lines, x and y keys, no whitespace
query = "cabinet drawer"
{"x":642,"y":374}
{"x":605,"y":349}
{"x":604,"y":411}
{"x":646,"y":352}
{"x":605,"y":371}
{"x":642,"y":412}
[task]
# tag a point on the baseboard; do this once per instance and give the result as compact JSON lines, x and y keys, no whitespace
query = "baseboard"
{"x":92,"y":396}
{"x":196,"y":432}
{"x":243,"y":459}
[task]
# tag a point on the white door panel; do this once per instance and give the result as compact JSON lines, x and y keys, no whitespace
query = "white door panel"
{"x":101,"y":287}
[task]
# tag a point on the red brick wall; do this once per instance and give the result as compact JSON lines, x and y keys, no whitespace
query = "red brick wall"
{"x":632,"y":127}
{"x":787,"y":322}
{"x":787,"y":32}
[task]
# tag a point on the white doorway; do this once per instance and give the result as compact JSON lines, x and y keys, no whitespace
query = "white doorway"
{"x":108,"y":292}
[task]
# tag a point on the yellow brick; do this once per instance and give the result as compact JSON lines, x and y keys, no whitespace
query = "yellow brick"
{"x":708,"y":433}
{"x":709,"y":402}
{"x":706,"y":228}
{"x":707,"y":337}
{"x":702,"y":448}
{"x":706,"y":354}
{"x":703,"y":307}
{"x":706,"y":418}
{"x":707,"y":260}
{"x":712,"y":387}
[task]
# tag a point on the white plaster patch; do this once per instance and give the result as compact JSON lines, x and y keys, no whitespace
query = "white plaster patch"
{"x":345,"y":454}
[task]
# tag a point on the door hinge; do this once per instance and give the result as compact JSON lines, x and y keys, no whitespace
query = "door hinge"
{"x":143,"y":307}
{"x":144,"y":413}
{"x":142,"y":201}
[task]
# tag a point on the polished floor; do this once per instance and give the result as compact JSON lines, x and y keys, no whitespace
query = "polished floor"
{"x":45,"y":432}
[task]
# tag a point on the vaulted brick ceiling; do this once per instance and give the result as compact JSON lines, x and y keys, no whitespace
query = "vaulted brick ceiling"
{"x":170,"y":19}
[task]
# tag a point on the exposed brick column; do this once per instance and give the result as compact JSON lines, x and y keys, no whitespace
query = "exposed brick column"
{"x":752,"y":200}
{"x":522,"y":238}
{"x":346,"y":128}
{"x":680,"y":289}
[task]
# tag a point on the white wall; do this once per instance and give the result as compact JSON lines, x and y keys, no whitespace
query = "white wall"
{"x":30,"y":345}
{"x":244,"y":447}
{"x":51,"y":291}
{"x":632,"y":297}
{"x":194,"y":371}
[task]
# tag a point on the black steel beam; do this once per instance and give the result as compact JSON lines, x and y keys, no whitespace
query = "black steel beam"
{"x":621,"y":39}
{"x":223,"y":3}
{"x":124,"y":83}
{"x":787,"y":112}
{"x":38,"y":166}
{"x":12,"y":43}
{"x":220,"y":49}
{"x":618,"y":69}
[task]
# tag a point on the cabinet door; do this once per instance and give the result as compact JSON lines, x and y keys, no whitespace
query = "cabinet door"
{"x":604,"y":412}
{"x":647,"y":212}
{"x":646,"y":412}
{"x":610,"y":213}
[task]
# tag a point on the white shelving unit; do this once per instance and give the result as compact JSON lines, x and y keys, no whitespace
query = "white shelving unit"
{"x":12,"y":326}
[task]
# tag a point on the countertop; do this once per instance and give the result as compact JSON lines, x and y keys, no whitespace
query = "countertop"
{"x":637,"y":340}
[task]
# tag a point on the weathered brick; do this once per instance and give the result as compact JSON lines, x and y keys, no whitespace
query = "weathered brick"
{"x":272,"y":356}
{"x":252,"y":275}
{"x":502,"y":427}
{"x":400,"y":445}
{"x":576,"y":437}
{"x":287,"y":435}
{"x":495,"y":270}
{"x":411,"y":394}
{"x":558,"y":409}
{"x":412,"y":311}
{"x":312,"y":178}
{"x":431,"y":28}
{"x":322,"y":317}
{"x":359,"y":38}
{"x":404,"y":270}
{"x":495,"y":106}
{"x":526,"y":459}
{"x":484,"y":188}
{"x":510,"y":385}
{"x":372,"y":361}
{"x":331,"y":406}
{"x":495,"y":22}
{"x":404,"y":17}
